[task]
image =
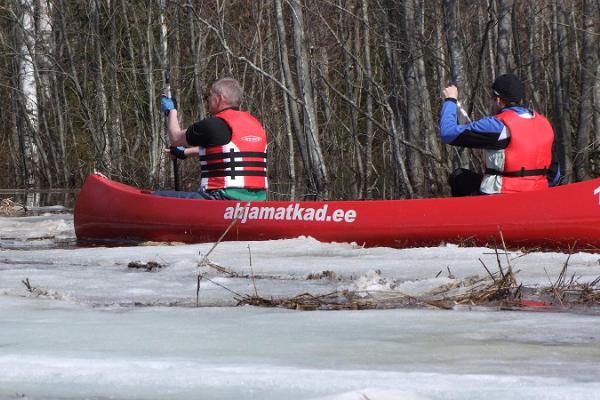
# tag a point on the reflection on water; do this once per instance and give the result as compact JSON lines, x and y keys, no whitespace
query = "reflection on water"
{"x":41,"y":198}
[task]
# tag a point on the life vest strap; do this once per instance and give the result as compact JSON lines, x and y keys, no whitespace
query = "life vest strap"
{"x":234,"y":164}
{"x":518,"y":174}
{"x":233,"y":154}
{"x":233,"y":174}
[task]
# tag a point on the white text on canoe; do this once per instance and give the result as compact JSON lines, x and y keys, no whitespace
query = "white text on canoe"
{"x":293,"y":212}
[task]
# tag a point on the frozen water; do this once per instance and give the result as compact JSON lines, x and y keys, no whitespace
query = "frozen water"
{"x":63,"y":350}
{"x":98,"y":329}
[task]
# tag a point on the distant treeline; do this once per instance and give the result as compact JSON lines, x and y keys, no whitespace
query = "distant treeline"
{"x":349,"y":90}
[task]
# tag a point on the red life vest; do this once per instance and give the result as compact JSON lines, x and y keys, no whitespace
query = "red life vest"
{"x":528,"y":155}
{"x":241,"y":163}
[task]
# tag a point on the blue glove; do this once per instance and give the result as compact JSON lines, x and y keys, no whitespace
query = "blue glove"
{"x":167,"y":104}
{"x":178,"y":152}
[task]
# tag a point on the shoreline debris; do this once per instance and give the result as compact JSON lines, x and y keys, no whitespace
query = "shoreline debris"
{"x":150,"y":266}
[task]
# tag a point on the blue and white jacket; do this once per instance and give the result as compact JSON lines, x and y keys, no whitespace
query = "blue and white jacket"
{"x":487,"y":133}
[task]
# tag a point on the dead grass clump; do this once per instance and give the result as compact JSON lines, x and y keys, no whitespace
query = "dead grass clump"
{"x":9,"y":208}
{"x":589,"y":293}
{"x":498,"y":290}
{"x":344,"y":300}
{"x":567,"y":290}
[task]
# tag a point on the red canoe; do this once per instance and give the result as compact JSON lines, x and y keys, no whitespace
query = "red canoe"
{"x":565,"y":217}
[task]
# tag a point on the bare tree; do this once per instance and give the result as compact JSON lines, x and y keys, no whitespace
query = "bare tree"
{"x":413,"y":126}
{"x":596,"y":137}
{"x":505,"y":40}
{"x":291,"y":104}
{"x":589,"y":56}
{"x":349,"y":91}
{"x":316,"y":166}
{"x":561,"y":89}
{"x":368,"y":101}
{"x":28,"y":99}
{"x":102,"y":138}
{"x":455,"y":59}
{"x":393,"y":107}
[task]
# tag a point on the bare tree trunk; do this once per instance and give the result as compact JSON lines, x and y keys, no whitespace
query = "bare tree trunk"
{"x":413,"y":121}
{"x":132,"y":146}
{"x":587,"y":75}
{"x":323,"y":88}
{"x":73,"y":84}
{"x":457,"y":63}
{"x":164,"y":170}
{"x":101,"y":136}
{"x":393,"y":107}
{"x":316,"y":162}
{"x":369,"y":167}
{"x":156,"y":141}
{"x":61,"y":131}
{"x":29,"y":95}
{"x":13,"y":150}
{"x":431,"y":141}
{"x":492,"y":40}
{"x":53,"y":95}
{"x":504,"y":61}
{"x":198,"y":44}
{"x":43,"y":61}
{"x":115,"y":131}
{"x":296,"y":126}
{"x":534,"y":69}
{"x":517,"y":64}
{"x":350,"y":75}
{"x":455,"y":49}
{"x":41,"y":75}
{"x":441,"y":55}
{"x":290,"y":142}
{"x":596,"y":109}
{"x":561,"y":95}
{"x":17,"y":151}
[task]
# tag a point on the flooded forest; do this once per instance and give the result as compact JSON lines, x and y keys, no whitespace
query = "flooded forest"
{"x":349,"y":91}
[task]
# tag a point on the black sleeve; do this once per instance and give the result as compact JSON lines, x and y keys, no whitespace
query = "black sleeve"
{"x":211,"y":131}
{"x":478,"y":140}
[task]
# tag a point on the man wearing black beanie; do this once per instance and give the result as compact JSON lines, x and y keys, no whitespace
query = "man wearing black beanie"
{"x":518,"y":143}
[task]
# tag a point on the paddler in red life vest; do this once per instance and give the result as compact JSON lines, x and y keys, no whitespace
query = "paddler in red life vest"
{"x":519,"y":143}
{"x":232,"y":146}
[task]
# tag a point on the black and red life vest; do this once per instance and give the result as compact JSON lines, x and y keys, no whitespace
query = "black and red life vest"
{"x":241,"y":163}
{"x":524,"y":164}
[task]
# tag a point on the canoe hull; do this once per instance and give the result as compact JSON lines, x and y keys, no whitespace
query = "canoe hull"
{"x":565,"y":217}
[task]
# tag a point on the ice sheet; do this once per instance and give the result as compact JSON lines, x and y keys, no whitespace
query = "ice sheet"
{"x":103,"y":330}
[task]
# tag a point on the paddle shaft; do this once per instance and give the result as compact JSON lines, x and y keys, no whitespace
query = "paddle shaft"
{"x":167,"y":81}
{"x":463,"y":111}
